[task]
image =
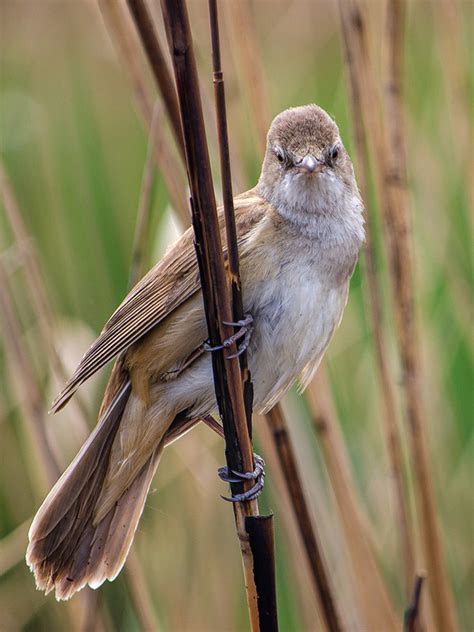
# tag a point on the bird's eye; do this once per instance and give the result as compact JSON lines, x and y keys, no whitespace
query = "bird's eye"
{"x":279,"y":154}
{"x":334,"y":152}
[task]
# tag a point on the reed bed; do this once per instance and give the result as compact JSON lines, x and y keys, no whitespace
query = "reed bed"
{"x":88,"y":145}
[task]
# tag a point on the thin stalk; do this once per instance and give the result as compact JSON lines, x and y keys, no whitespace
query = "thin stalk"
{"x":158,"y":65}
{"x":233,"y":272}
{"x":375,"y":605}
{"x":273,"y":434}
{"x":209,"y":242}
{"x":128,"y":47}
{"x":374,"y":300}
{"x":386,"y":141}
{"x":140,"y":593}
{"x":412,"y":614}
{"x":397,"y":222}
{"x":90,"y":619}
{"x":308,"y":602}
{"x":321,"y":584}
{"x":260,"y":530}
{"x":227,"y":378}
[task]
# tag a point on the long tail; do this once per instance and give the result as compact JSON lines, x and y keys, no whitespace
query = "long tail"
{"x":68,"y":547}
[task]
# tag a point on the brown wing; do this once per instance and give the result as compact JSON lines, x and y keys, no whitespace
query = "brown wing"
{"x":168,"y":284}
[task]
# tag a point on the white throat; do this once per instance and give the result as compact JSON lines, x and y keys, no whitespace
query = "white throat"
{"x":320,"y":206}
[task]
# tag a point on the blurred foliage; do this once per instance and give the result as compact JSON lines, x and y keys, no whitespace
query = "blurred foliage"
{"x":74,"y":148}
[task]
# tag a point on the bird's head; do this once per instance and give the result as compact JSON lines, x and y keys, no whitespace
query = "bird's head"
{"x":306,"y":165}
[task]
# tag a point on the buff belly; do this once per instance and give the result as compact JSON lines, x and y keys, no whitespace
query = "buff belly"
{"x":293,"y":326}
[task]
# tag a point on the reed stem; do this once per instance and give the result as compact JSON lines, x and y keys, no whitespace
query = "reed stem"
{"x":156,"y":59}
{"x":288,"y":462}
{"x":374,"y":301}
{"x":385,"y":139}
{"x":227,"y":377}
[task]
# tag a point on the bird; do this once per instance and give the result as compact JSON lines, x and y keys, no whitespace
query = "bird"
{"x":300,"y":230}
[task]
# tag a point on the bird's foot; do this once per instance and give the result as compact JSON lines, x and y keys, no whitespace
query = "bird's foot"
{"x":258,"y":475}
{"x":244,"y":331}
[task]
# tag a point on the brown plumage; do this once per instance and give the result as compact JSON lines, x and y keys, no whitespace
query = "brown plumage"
{"x":299,"y":233}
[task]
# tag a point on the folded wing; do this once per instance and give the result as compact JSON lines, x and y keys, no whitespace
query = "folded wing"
{"x":168,"y":284}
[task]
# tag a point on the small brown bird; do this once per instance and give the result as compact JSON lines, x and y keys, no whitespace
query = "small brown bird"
{"x":300,"y":230}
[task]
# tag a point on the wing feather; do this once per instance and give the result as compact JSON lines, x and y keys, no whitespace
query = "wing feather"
{"x":168,"y":284}
{"x":162,"y":290}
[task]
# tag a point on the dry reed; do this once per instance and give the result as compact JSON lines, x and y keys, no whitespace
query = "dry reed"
{"x":255,"y":537}
{"x":156,"y":59}
{"x":374,"y":299}
{"x":385,"y":138}
{"x":129,"y":49}
{"x":376,"y":608}
{"x":46,"y":468}
{"x":412,"y":614}
{"x":247,"y":54}
{"x":288,"y":463}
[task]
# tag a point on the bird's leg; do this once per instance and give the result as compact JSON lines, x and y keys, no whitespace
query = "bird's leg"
{"x":244,"y":331}
{"x":213,"y":424}
{"x":258,"y":475}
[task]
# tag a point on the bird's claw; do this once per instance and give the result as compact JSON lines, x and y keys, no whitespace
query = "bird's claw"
{"x":244,"y":331}
{"x":233,"y":476}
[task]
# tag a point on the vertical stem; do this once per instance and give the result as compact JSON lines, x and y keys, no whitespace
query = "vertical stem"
{"x":412,"y":614}
{"x":399,"y":231}
{"x":157,"y":61}
{"x":374,"y":299}
{"x":322,"y":585}
{"x":385,"y":137}
{"x":227,"y":377}
{"x":119,"y":25}
{"x":372,"y":594}
{"x":233,"y":272}
{"x":32,"y":405}
{"x":31,"y":400}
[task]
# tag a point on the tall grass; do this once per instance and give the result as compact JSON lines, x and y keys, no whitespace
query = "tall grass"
{"x":74,"y":147}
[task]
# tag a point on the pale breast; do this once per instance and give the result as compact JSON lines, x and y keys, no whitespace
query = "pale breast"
{"x":295,"y":314}
{"x":296,"y":289}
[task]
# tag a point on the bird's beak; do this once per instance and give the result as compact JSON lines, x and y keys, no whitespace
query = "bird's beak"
{"x":310,"y":164}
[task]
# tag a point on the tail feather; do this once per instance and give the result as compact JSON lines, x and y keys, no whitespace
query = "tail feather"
{"x":68,"y":547}
{"x":124,"y":521}
{"x":71,"y":484}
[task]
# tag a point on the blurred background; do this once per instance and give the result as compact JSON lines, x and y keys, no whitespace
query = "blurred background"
{"x":74,"y":146}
